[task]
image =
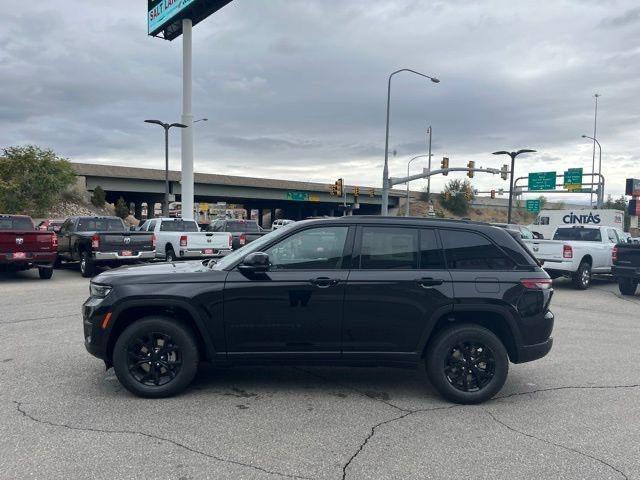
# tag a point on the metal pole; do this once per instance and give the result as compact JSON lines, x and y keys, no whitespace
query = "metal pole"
{"x":513,"y":158}
{"x":385,"y":170}
{"x":165,"y":205}
{"x":406,"y":212}
{"x":601,"y":187}
{"x":187,"y":119}
{"x":595,"y":125}
{"x":429,"y":179}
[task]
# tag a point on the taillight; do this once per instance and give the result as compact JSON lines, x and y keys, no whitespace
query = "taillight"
{"x":536,"y":283}
{"x":95,"y":242}
{"x":243,"y":239}
{"x":183,"y":241}
{"x":567,"y":251}
{"x":154,"y":239}
{"x":54,"y":240}
{"x":614,"y":254}
{"x":230,"y":241}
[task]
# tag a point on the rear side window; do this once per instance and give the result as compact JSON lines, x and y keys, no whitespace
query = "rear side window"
{"x":178,"y":226}
{"x":578,"y":234}
{"x":15,"y":223}
{"x":472,"y":251}
{"x":385,"y":248}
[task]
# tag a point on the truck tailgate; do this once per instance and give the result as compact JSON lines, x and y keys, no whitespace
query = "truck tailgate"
{"x":133,"y":241}
{"x":204,"y":240}
{"x":548,"y":250}
{"x":26,"y":241}
{"x":628,"y":255}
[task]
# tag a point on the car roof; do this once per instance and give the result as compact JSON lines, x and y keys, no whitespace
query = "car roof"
{"x":388,"y":220}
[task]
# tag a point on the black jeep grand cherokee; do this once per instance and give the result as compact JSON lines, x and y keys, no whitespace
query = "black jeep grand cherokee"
{"x":461,"y":298}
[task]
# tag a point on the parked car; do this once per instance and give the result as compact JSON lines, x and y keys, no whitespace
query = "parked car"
{"x":22,"y":247}
{"x":51,"y":225}
{"x":178,"y":238}
{"x":242,"y":231}
{"x":281,"y":222}
{"x":461,"y":298}
{"x":101,"y":240}
{"x":522,"y":231}
{"x":626,"y":266}
{"x":578,"y":252}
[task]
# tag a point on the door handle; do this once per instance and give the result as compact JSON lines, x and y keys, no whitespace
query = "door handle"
{"x":324,"y":282}
{"x":428,"y":282}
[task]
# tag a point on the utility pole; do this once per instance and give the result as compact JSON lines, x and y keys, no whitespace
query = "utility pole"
{"x":595,"y":128}
{"x":430,"y":131}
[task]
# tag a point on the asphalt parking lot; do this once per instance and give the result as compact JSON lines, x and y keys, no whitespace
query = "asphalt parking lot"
{"x":573,"y":414}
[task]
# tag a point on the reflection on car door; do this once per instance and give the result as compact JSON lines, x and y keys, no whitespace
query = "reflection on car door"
{"x":396,"y":285}
{"x":296,"y":307}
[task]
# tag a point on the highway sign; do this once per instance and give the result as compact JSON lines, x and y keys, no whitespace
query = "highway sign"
{"x":533,"y":205}
{"x":298,"y":196}
{"x":573,"y":179}
{"x":542,"y":181}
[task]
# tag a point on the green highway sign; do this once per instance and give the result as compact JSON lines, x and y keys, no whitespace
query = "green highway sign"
{"x":298,"y":196}
{"x":533,"y":206}
{"x":542,"y":181}
{"x":573,"y":179}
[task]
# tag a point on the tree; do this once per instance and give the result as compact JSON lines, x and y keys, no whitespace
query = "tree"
{"x":543,"y":201}
{"x":619,"y":204}
{"x":457,"y":196}
{"x":32,"y":179}
{"x":98,"y":197}
{"x":122,"y":210}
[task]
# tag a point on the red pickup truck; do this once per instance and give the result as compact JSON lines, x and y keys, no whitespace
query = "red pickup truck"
{"x":23,"y":247}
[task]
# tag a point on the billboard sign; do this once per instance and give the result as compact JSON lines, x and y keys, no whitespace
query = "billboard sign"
{"x":542,"y":181}
{"x":165,"y":16}
{"x":633,"y":187}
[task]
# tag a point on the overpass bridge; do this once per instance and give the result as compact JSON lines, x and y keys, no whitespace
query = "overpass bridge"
{"x":295,"y":200}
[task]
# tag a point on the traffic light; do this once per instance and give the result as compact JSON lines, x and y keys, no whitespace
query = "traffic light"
{"x":444,"y":165}
{"x":493,"y":194}
{"x":504,"y":172}
{"x":372,"y":192}
{"x":356,"y":192}
{"x":470,"y":166}
{"x":334,"y":189}
{"x":339,"y":187}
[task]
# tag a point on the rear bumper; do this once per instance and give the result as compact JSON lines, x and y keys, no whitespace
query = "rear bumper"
{"x":559,"y":266}
{"x":198,"y":253}
{"x":31,"y":258}
{"x":528,"y":353}
{"x":542,"y":326}
{"x":114,"y":256}
{"x":626,"y":272}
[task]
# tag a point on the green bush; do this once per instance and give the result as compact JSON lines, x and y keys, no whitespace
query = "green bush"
{"x":457,"y":196}
{"x":98,"y":197}
{"x":32,"y":179}
{"x":122,"y":209}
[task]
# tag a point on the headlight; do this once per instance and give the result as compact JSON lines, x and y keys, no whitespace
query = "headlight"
{"x":99,"y":291}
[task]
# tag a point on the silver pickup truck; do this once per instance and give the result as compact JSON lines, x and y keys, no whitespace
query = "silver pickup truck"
{"x":182,"y":239}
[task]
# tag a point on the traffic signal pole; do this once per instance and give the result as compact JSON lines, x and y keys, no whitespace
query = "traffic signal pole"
{"x":187,"y":180}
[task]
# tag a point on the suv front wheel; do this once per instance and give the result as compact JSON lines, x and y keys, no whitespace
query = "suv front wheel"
{"x":467,"y":364}
{"x":156,"y":357}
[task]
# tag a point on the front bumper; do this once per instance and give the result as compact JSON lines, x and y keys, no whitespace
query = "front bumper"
{"x":116,"y":257}
{"x":94,"y":311}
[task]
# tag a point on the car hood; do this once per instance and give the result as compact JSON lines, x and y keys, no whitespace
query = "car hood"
{"x":150,"y":273}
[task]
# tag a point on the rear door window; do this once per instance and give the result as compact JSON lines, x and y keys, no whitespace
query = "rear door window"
{"x":431,"y":257}
{"x":466,"y":250}
{"x":389,"y":248}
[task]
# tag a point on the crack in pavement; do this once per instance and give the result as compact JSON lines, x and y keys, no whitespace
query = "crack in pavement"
{"x":9,"y":322}
{"x":559,"y":445}
{"x":20,"y":408}
{"x":576,"y":387}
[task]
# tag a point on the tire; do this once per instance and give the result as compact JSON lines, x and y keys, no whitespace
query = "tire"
{"x":45,"y":273}
{"x":444,"y":360}
{"x":87,"y":267}
{"x":58,"y":262}
{"x":582,"y":278}
{"x":139,"y":378}
{"x":627,"y":286}
{"x":170,"y":255}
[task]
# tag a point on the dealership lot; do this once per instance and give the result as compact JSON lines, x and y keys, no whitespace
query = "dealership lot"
{"x":573,"y":414}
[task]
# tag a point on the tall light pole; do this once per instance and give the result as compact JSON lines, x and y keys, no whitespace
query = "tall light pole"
{"x":513,"y":156}
{"x":595,"y":128}
{"x":408,"y":165}
{"x":430,"y":132}
{"x":600,"y":191}
{"x":166,"y":127}
{"x":385,"y":170}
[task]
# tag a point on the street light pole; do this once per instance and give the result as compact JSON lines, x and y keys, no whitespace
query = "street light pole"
{"x":430,"y":130}
{"x":600,"y":189}
{"x":166,"y":127}
{"x":595,"y":125}
{"x":385,"y":170}
{"x":513,"y":156}
{"x":408,"y":165}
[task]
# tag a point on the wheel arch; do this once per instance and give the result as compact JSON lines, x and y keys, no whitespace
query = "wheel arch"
{"x":587,"y":258}
{"x":180,"y":311}
{"x":495,"y":318}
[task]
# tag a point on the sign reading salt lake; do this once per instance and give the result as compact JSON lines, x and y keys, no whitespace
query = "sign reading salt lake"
{"x":163,"y":11}
{"x":542,"y":181}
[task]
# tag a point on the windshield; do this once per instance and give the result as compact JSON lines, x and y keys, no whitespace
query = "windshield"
{"x":242,"y":226}
{"x":579,"y":234}
{"x":15,"y":223}
{"x":256,"y":246}
{"x":178,"y":226}
{"x":100,"y":225}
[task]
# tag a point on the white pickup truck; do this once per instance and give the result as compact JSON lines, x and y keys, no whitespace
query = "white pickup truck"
{"x":177,"y":238}
{"x":578,"y":252}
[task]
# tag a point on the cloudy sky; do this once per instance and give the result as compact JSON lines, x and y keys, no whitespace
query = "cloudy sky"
{"x":296,"y":89}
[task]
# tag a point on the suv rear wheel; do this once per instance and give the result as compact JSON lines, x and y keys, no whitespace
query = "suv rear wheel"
{"x":156,"y":357}
{"x":467,"y":364}
{"x":627,"y":286}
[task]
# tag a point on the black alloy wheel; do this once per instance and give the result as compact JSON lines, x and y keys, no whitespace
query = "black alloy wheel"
{"x":467,"y":363}
{"x":156,"y":357}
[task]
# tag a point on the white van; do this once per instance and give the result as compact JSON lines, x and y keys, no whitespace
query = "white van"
{"x":549,"y":220}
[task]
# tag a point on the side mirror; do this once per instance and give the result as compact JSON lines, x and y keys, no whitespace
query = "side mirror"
{"x":254,"y":263}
